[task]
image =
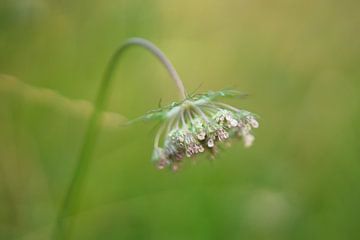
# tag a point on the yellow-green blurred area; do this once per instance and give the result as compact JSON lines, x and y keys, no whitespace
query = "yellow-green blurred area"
{"x":298,"y":60}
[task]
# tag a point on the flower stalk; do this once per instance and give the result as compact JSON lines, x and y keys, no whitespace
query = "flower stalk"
{"x":64,"y":221}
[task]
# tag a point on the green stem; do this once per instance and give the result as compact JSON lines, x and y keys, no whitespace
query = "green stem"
{"x":64,"y":221}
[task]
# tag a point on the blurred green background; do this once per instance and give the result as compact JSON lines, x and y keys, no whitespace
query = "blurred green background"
{"x":298,"y":60}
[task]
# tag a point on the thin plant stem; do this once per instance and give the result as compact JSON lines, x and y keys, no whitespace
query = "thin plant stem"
{"x":65,"y":218}
{"x":158,"y":135}
{"x":183,"y":119}
{"x":190,"y":117}
{"x":170,"y":125}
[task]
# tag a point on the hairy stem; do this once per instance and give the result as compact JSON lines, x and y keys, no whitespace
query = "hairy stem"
{"x":64,"y":221}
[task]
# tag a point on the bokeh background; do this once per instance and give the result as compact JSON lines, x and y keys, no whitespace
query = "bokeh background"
{"x":298,"y":60}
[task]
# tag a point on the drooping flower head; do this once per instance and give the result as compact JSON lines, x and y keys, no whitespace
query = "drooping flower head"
{"x":198,"y":124}
{"x":192,"y":126}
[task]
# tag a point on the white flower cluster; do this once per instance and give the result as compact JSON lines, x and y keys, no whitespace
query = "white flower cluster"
{"x":195,"y":128}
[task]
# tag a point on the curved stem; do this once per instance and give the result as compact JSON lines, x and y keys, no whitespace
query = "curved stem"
{"x":163,"y":59}
{"x":64,"y":220}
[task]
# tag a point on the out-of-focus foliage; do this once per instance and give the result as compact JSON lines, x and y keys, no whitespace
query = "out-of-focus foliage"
{"x":298,"y":60}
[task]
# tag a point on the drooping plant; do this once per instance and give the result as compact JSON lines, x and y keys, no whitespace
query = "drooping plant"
{"x":195,"y":124}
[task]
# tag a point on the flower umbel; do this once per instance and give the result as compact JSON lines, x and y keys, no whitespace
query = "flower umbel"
{"x":196,"y":125}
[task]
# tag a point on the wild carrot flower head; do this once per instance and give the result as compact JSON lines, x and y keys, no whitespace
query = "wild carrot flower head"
{"x":198,"y":124}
